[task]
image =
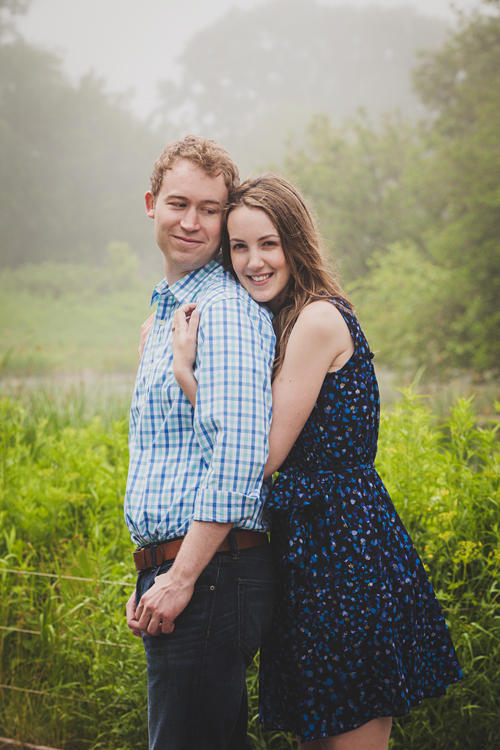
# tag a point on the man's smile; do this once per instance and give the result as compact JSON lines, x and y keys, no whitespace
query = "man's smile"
{"x":188,"y":240}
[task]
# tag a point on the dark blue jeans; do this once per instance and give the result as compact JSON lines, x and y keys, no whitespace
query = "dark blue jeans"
{"x":197,"y":697}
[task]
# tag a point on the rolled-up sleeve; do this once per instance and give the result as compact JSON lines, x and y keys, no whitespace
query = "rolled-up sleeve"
{"x":233,"y":410}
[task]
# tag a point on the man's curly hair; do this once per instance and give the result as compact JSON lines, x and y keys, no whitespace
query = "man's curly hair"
{"x":205,"y":153}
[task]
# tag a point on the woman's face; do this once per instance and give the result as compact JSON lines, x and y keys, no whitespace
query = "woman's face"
{"x":257,"y":255}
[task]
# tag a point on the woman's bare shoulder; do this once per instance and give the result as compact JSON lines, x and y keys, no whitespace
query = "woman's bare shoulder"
{"x":323,"y":317}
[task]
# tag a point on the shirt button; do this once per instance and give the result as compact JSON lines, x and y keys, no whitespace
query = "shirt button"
{"x":161,"y":322}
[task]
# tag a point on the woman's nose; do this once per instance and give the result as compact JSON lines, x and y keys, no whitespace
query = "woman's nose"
{"x":255,"y":259}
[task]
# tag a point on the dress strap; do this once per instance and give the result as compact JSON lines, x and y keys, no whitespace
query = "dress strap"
{"x":361,"y":345}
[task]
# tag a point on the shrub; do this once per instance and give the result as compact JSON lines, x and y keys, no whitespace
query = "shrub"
{"x":64,"y":641}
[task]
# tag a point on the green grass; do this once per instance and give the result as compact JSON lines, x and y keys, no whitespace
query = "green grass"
{"x":62,"y":476}
{"x":56,"y":317}
{"x":61,"y":512}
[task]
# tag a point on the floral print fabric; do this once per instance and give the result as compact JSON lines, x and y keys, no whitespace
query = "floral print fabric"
{"x":358,"y":632}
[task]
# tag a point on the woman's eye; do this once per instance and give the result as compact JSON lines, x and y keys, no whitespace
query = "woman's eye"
{"x":238,"y":246}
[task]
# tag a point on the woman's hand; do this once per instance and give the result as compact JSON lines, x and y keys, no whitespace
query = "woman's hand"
{"x":184,"y":346}
{"x":146,"y":328}
{"x":184,"y":339}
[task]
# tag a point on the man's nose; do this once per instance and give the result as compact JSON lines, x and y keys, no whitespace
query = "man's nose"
{"x":190,"y":220}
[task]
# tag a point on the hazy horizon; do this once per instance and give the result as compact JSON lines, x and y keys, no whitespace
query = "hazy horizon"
{"x":132,"y":47}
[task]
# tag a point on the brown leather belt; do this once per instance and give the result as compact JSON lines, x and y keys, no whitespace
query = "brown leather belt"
{"x":245,"y":539}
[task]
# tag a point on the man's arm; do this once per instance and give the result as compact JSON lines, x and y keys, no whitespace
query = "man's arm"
{"x":233,"y":411}
{"x":232,"y":422}
{"x":171,"y":592}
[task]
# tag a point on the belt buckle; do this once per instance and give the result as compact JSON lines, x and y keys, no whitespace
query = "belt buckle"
{"x":155,"y":547}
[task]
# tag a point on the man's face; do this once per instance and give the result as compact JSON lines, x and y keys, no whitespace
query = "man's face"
{"x":188,"y":218}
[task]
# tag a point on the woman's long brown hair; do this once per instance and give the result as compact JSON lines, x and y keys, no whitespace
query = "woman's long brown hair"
{"x":302,"y":245}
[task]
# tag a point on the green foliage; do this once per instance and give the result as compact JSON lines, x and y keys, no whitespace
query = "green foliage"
{"x":413,"y":212}
{"x":361,"y":181}
{"x":65,"y":485}
{"x":445,"y":484}
{"x":74,"y":163}
{"x":62,"y":479}
{"x":400,"y":301}
{"x":60,"y":316}
{"x":61,"y":498}
{"x":461,"y":84}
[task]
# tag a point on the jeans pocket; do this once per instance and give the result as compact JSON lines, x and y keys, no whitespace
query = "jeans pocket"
{"x":146,"y":579}
{"x":255,"y":614}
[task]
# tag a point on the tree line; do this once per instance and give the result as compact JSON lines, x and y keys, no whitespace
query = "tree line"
{"x":412,"y":209}
{"x":74,"y":162}
{"x":409,"y":206}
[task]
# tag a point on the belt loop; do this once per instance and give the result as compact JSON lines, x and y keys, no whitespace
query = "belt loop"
{"x":155,"y":566}
{"x":234,"y":545}
{"x":160,"y":547}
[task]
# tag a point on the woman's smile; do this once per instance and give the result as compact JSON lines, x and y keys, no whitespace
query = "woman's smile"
{"x":257,"y":254}
{"x":260,"y":279}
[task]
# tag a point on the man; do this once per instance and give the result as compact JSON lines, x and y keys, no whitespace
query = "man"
{"x":204,"y":592}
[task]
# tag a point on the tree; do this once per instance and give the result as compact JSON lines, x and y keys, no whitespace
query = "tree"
{"x":361,"y":181}
{"x":461,"y":86}
{"x":414,"y":211}
{"x":74,"y":163}
{"x":255,"y":72}
{"x":9,"y":8}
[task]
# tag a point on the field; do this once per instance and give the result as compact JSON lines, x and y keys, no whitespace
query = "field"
{"x":60,"y":317}
{"x":71,"y":674}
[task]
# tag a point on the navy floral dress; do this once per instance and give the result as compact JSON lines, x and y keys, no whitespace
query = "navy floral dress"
{"x":358,"y":632}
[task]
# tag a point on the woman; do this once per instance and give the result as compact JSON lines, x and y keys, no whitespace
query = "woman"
{"x":358,"y":635}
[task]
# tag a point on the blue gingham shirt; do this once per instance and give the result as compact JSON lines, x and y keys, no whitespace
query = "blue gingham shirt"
{"x":206,"y":463}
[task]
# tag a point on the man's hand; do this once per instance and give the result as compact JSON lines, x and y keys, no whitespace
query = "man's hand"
{"x":172,"y":591}
{"x":145,"y":331}
{"x":131,"y":616}
{"x":160,"y":606}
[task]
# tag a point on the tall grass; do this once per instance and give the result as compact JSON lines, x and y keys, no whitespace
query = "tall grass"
{"x":445,"y":484}
{"x":62,"y":478}
{"x":61,"y":491}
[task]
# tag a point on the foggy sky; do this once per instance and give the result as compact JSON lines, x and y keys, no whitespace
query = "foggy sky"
{"x":132,"y":44}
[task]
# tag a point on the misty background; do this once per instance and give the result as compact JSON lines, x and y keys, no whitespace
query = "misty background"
{"x":133,"y":46}
{"x":354,"y":101}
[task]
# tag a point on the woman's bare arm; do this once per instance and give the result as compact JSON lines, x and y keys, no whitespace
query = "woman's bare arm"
{"x":320,"y":342}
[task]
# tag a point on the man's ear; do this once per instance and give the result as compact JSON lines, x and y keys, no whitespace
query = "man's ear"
{"x":150,"y":204}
